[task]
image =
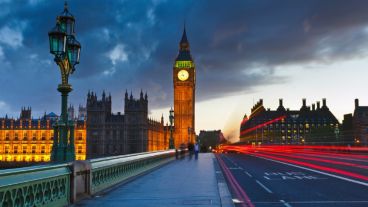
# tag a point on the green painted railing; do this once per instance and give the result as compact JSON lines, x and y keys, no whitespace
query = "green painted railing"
{"x":35,"y":186}
{"x":63,"y":184}
{"x":108,"y":172}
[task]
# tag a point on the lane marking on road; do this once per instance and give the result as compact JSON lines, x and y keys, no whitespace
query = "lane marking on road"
{"x":235,"y":200}
{"x":235,"y":168}
{"x":316,"y":171}
{"x":291,"y":176}
{"x":263,"y":186}
{"x":248,"y":174}
{"x":232,"y":162}
{"x":285,"y":203}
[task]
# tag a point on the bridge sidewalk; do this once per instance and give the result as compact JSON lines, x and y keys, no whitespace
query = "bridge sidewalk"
{"x":186,"y":182}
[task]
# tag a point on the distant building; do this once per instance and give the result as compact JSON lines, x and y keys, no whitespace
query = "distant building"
{"x":210,"y":139}
{"x":30,"y":140}
{"x":71,"y":112}
{"x":82,"y":113}
{"x":347,"y":132}
{"x":355,"y":127}
{"x":114,"y":134}
{"x":284,"y":126}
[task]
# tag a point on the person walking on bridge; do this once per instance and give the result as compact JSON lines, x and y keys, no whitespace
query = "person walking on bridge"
{"x":196,"y":150}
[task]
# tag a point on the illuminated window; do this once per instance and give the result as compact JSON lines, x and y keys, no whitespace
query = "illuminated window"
{"x":6,"y":149}
{"x":43,"y":149}
{"x":79,"y":136}
{"x":33,"y":149}
{"x":7,"y":136}
{"x":79,"y":149}
{"x":15,"y":149}
{"x":16,"y":136}
{"x":24,"y":149}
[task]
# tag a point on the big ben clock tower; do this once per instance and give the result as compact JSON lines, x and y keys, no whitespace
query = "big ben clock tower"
{"x":184,"y":77}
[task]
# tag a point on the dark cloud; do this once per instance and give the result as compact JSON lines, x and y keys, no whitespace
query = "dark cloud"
{"x":132,"y":44}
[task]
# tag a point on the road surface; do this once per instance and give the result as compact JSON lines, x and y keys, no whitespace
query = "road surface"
{"x":296,"y":178}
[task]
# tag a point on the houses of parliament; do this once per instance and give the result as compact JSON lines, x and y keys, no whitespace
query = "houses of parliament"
{"x":30,"y":140}
{"x":99,"y":132}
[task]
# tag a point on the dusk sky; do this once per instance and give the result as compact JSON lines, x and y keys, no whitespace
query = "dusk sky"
{"x":244,"y":50}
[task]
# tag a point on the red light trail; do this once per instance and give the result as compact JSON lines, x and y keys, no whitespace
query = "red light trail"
{"x":261,"y":125}
{"x":239,"y":192}
{"x":321,"y":158}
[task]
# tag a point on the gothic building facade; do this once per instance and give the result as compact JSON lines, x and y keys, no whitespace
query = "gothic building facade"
{"x":115,"y":134}
{"x":26,"y":139}
{"x":283,"y":126}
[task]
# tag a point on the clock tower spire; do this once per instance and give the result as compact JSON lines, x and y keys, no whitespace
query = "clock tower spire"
{"x":184,"y":94}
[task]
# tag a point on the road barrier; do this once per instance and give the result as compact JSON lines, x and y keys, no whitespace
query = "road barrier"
{"x":63,"y":184}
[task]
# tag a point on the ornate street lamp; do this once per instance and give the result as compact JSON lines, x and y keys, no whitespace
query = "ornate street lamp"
{"x":66,"y":50}
{"x":171,"y":140}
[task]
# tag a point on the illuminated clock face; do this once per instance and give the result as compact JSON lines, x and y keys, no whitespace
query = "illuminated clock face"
{"x":183,"y":75}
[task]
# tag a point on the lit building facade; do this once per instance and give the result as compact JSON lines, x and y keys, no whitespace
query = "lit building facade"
{"x":30,"y":140}
{"x":112,"y":134}
{"x":355,"y":126}
{"x":283,"y":126}
{"x":184,"y":79}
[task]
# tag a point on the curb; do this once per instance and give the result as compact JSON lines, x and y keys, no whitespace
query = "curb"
{"x":225,"y":196}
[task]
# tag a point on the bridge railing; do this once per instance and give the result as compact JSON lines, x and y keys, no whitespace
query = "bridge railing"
{"x":47,"y":185}
{"x":106,"y":173}
{"x":62,"y":184}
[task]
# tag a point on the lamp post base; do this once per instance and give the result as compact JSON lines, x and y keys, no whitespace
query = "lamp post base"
{"x":63,"y":149}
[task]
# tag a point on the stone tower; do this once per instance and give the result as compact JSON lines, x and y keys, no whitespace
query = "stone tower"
{"x":136,"y":113}
{"x":184,"y":78}
{"x":98,"y":111}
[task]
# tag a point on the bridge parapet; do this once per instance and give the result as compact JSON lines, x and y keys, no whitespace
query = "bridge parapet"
{"x":47,"y":185}
{"x":106,"y":173}
{"x":62,"y":184}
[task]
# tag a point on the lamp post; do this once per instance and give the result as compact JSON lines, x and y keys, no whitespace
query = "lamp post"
{"x":66,"y":50}
{"x":171,"y":140}
{"x":189,"y":133}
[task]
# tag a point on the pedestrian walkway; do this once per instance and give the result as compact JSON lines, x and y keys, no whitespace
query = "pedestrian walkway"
{"x":185,"y":182}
